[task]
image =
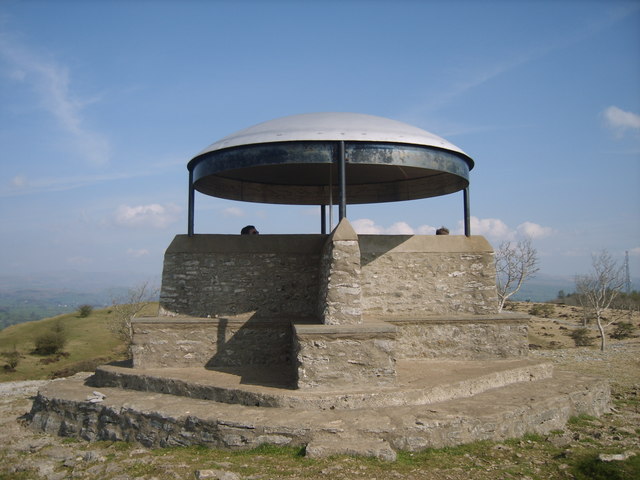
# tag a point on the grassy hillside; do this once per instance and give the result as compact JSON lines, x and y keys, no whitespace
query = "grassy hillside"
{"x":90,"y":342}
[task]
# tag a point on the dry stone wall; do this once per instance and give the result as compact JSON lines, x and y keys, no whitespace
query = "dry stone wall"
{"x":241,"y":275}
{"x":189,"y":342}
{"x":328,"y":355}
{"x":462,"y":338}
{"x":427,"y":275}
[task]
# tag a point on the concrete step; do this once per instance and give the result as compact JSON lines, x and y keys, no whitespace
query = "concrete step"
{"x":161,"y":420}
{"x":418,"y":382}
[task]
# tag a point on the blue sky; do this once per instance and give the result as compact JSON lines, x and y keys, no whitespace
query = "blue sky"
{"x":102,"y":104}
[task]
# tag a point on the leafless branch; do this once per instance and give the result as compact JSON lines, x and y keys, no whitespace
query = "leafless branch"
{"x":515,"y":263}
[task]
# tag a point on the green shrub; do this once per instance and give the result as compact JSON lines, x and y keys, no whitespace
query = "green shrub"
{"x":84,"y":311}
{"x":12,"y":358}
{"x":545,"y":310}
{"x":581,"y":337}
{"x":623,"y":330}
{"x":52,"y":341}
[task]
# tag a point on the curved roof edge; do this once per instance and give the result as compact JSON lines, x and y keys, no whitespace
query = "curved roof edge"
{"x":333,"y":126}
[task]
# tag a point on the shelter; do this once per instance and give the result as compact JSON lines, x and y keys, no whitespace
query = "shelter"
{"x":342,"y":343}
{"x":330,"y":158}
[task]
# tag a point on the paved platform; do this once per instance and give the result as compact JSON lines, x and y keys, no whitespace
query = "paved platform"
{"x":418,"y":382}
{"x":163,"y":419}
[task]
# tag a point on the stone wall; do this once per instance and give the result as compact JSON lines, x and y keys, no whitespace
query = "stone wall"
{"x":340,"y":295}
{"x":335,"y":355}
{"x":193,"y":342}
{"x":241,"y":275}
{"x":462,"y":337}
{"x":418,"y":275}
{"x":245,"y":293}
{"x":245,"y":276}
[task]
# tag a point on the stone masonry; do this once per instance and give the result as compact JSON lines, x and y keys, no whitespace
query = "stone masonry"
{"x":334,"y":309}
{"x":340,"y":295}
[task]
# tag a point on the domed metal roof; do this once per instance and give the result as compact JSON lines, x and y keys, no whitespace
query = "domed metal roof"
{"x":296,"y":159}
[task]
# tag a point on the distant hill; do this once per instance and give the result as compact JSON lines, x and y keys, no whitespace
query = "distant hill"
{"x":543,"y":288}
{"x":90,"y":341}
{"x":30,"y":297}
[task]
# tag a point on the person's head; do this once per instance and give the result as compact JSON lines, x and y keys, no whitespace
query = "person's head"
{"x":249,"y":230}
{"x":442,"y":231}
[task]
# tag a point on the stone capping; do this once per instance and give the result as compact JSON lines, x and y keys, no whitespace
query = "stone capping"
{"x":274,"y":244}
{"x":230,"y":321}
{"x":510,"y":318}
{"x":371,"y":328}
{"x":424,"y":244}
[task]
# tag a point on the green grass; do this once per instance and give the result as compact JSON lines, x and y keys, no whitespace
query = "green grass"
{"x":589,"y":467}
{"x":90,"y":342}
{"x":581,"y":420}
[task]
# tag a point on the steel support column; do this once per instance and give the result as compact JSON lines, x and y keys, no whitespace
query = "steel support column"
{"x":323,"y":219}
{"x":190,"y":215}
{"x":467,"y":214}
{"x":342,"y":212}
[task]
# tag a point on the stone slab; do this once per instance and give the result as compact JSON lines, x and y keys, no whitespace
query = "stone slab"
{"x":418,"y":383}
{"x":161,"y":420}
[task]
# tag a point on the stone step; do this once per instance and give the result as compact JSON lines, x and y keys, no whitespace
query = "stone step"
{"x":418,"y":382}
{"x":162,"y":420}
{"x":327,"y":444}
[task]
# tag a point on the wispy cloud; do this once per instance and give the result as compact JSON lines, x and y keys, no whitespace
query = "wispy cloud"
{"x":233,"y":212}
{"x":621,"y":121}
{"x":52,"y":84}
{"x":23,"y":185}
{"x":491,"y":68}
{"x":146,"y":216}
{"x":137,"y":253}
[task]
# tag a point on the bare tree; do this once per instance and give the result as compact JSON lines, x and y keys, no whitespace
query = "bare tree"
{"x":126,"y":307}
{"x":515,"y":262}
{"x":599,"y":288}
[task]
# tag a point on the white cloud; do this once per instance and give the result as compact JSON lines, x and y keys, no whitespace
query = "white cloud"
{"x":400,"y":228}
{"x":233,"y":212}
{"x":635,"y":252}
{"x":367,"y":226}
{"x":490,"y":227}
{"x":51,"y":82}
{"x":19,"y":181}
{"x":137,"y":253}
{"x":154,"y":215}
{"x":426,"y":230}
{"x":620,"y":121}
{"x":533,"y":230}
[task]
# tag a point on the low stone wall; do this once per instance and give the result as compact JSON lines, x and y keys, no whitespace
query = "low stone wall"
{"x":418,"y":275}
{"x":212,"y":342}
{"x":335,"y":355}
{"x":302,"y":276}
{"x":241,"y":275}
{"x":462,"y":337}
